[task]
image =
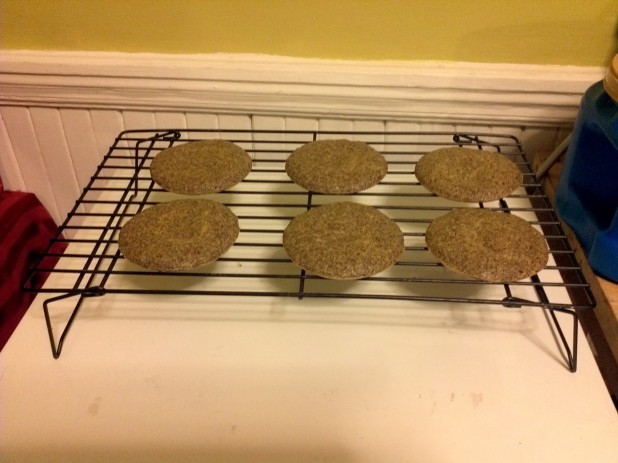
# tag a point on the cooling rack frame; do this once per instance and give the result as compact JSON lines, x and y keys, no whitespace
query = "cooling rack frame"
{"x":121,"y":186}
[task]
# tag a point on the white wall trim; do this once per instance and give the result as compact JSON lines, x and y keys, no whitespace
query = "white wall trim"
{"x":261,"y":84}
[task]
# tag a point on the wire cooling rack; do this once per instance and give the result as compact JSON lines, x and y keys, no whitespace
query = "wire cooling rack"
{"x":265,"y":202}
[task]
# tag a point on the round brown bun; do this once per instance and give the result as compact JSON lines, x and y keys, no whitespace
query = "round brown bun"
{"x":468,"y":175}
{"x":487,"y":245}
{"x":343,"y":241}
{"x":178,"y":235}
{"x":336,"y":166}
{"x":200,"y":167}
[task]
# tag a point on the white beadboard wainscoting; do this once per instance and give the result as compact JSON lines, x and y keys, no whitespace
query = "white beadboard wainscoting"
{"x":60,"y":111}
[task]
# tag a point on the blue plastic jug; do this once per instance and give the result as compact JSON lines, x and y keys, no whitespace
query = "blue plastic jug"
{"x":587,"y":193}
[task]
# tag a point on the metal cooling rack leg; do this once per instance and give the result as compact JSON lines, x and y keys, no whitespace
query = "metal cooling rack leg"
{"x":301,"y":281}
{"x":570,"y":352}
{"x":57,"y":347}
{"x":560,"y":337}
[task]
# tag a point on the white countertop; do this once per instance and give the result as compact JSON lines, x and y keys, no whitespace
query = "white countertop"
{"x":180,"y":379}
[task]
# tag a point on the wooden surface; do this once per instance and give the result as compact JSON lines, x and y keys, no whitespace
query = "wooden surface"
{"x":600,"y":325}
{"x":611,"y":291}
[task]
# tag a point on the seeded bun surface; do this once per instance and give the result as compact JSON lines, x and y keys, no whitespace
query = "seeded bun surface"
{"x":487,"y":245}
{"x":336,"y":166}
{"x":468,"y":175}
{"x":343,"y":241}
{"x":200,"y":167}
{"x":178,"y":235}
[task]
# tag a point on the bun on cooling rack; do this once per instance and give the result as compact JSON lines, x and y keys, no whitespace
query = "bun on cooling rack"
{"x":336,"y":166}
{"x":200,"y":167}
{"x":468,"y":175}
{"x":487,"y":245}
{"x":178,"y":235}
{"x":343,"y":241}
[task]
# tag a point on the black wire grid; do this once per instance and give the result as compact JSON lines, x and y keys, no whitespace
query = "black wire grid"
{"x":267,"y":200}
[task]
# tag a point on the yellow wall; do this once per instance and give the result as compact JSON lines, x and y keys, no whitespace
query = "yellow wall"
{"x":579,"y":32}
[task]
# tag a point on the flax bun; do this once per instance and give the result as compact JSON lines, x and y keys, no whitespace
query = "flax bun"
{"x":343,"y":241}
{"x":487,"y":245}
{"x":336,"y":166}
{"x":178,"y":235}
{"x":468,"y":175}
{"x":200,"y":167}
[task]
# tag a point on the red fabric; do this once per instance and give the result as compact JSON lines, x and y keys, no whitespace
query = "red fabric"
{"x":25,"y":231}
